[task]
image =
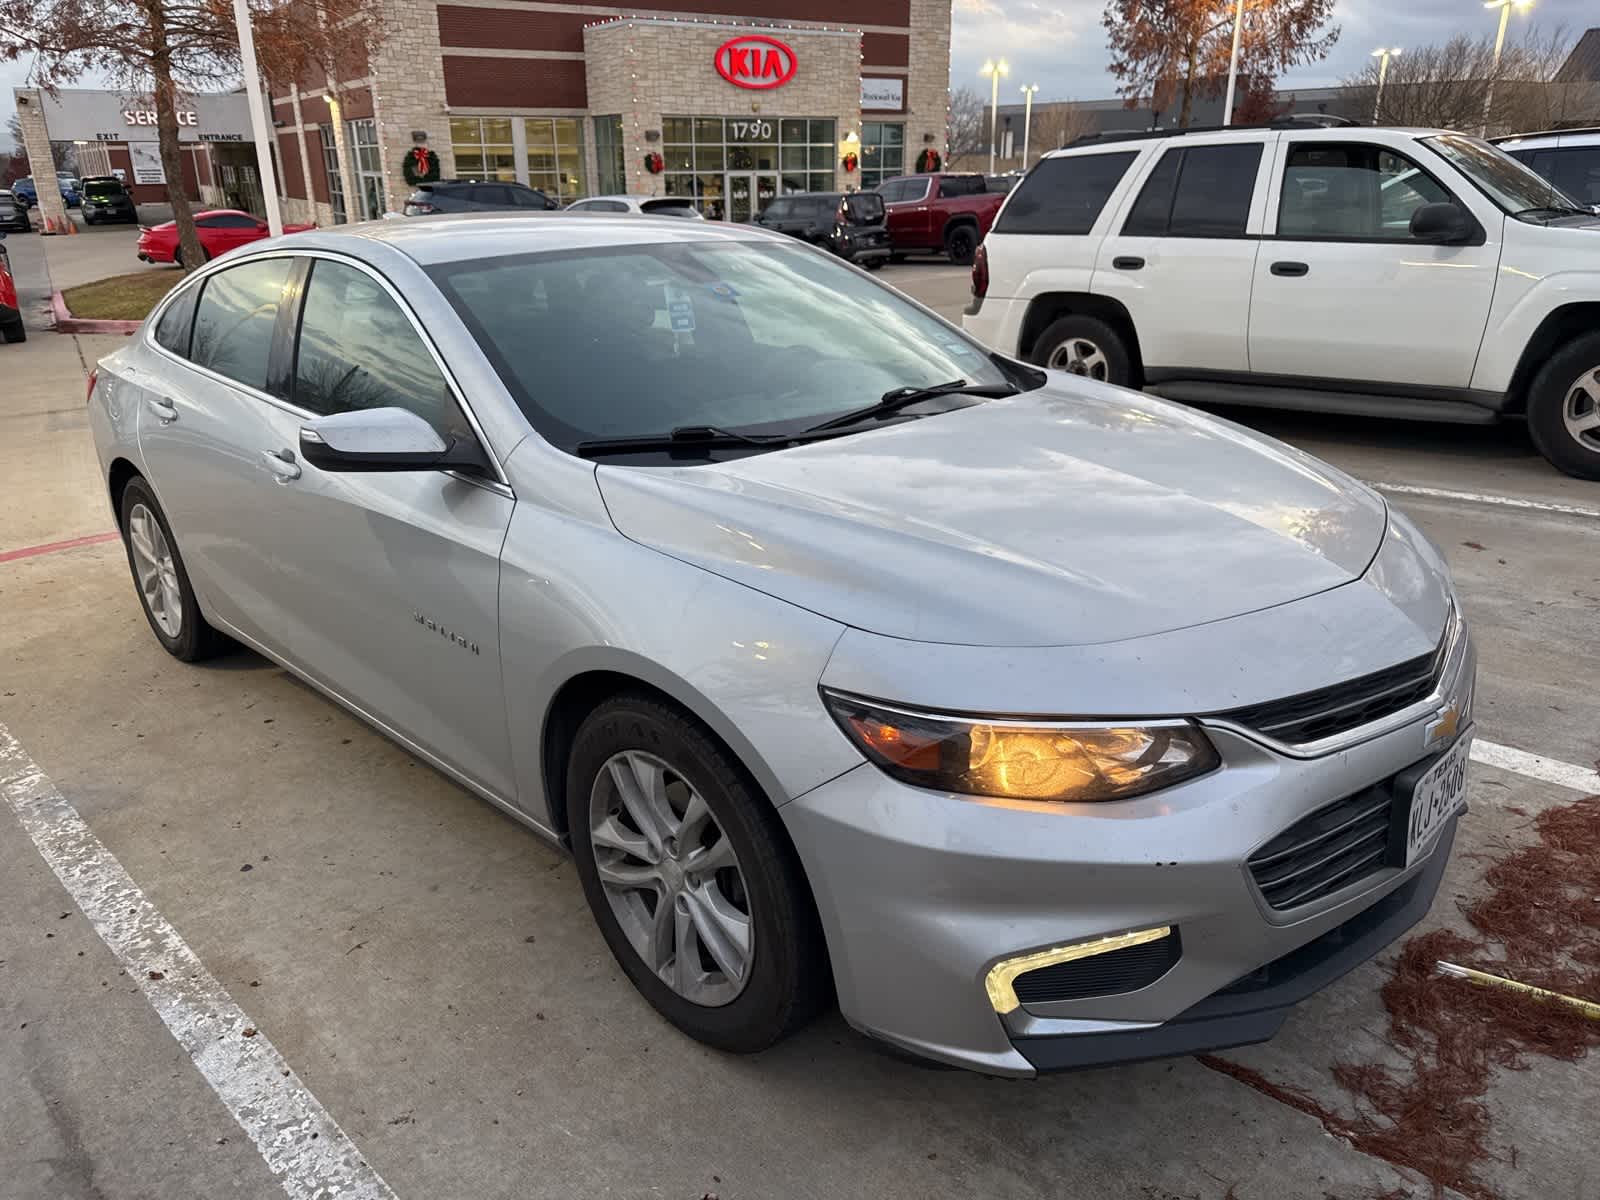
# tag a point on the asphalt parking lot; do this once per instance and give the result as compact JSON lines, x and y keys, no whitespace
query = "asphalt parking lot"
{"x":316,"y":901}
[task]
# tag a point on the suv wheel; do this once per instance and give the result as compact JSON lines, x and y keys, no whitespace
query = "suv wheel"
{"x":1564,"y":408}
{"x":1084,"y":346}
{"x":690,"y":879}
{"x":961,"y":243}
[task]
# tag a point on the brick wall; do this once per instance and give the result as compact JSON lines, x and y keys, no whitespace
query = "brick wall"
{"x":408,"y":93}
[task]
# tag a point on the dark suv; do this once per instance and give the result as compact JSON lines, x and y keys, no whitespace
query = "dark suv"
{"x":851,"y":224}
{"x":472,"y":195}
{"x":106,"y":199}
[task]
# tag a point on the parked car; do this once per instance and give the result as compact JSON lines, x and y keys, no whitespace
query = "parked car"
{"x":1392,"y":272}
{"x":11,"y":327}
{"x":106,"y":199}
{"x":945,"y":213}
{"x":24,"y":192}
{"x":27,"y":191}
{"x":1568,"y":158}
{"x":851,"y":224}
{"x":220,"y":230}
{"x":13,"y":214}
{"x":734,"y":571}
{"x":473,"y":195}
{"x":660,"y":206}
{"x":71,"y":187}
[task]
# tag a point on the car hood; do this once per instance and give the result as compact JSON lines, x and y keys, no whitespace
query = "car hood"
{"x":1073,"y":514}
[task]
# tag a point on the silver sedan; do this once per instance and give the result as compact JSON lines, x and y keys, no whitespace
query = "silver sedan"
{"x":1042,"y":723}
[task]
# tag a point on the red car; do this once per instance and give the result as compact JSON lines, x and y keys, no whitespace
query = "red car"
{"x":10,"y":311}
{"x":220,"y":230}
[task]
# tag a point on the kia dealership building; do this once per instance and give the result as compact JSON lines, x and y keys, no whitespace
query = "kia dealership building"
{"x":727,"y":107}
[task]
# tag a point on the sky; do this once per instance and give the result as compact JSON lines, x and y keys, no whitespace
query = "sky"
{"x":1060,"y":45}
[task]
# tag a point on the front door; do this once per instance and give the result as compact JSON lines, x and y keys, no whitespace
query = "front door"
{"x":748,"y":193}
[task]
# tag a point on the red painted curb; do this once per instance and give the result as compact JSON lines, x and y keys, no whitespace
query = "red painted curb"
{"x":67,"y":323}
{"x":88,"y":539}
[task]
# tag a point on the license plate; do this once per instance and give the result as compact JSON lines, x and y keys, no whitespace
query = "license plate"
{"x":1436,"y":796}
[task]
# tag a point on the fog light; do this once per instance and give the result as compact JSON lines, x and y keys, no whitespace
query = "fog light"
{"x":1002,"y":975}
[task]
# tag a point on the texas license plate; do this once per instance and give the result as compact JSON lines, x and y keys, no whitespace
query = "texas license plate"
{"x":1436,"y":796}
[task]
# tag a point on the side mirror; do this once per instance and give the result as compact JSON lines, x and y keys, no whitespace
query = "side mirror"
{"x":1443,"y":224}
{"x":384,"y":439}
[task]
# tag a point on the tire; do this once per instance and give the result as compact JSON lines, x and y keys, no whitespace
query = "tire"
{"x":188,"y":637}
{"x":1084,"y":346}
{"x":14,"y":331}
{"x":961,"y":244}
{"x":1564,"y":408}
{"x":782,"y":978}
{"x":874,"y":264}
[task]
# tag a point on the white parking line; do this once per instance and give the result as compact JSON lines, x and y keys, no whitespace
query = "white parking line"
{"x":1536,"y":766}
{"x":301,"y":1144}
{"x":1411,"y":489}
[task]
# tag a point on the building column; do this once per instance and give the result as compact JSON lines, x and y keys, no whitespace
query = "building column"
{"x":928,"y":81}
{"x":41,"y":162}
{"x":305,"y":159}
{"x":408,"y":93}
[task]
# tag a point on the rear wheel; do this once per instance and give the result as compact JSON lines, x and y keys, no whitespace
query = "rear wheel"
{"x":1084,"y":346}
{"x":961,"y":243}
{"x":1564,"y":408}
{"x":689,"y":877}
{"x":14,"y":330}
{"x":161,"y":580}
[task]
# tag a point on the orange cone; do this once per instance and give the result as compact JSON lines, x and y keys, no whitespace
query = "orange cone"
{"x":72,"y":226}
{"x":49,"y":227}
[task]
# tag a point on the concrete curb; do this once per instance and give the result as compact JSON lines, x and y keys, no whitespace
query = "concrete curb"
{"x":67,"y":323}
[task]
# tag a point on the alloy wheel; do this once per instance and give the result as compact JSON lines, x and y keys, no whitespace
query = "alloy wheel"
{"x":1079,"y":356}
{"x":1580,"y":411}
{"x":672,"y":878}
{"x":157,"y":572}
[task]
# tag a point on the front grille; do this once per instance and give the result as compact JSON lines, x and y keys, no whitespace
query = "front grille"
{"x":1326,"y":712}
{"x":1335,"y":846}
{"x":1109,"y":974}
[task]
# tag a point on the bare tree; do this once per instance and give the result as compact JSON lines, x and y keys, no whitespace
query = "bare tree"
{"x":1057,"y":123}
{"x":969,"y":123}
{"x":1443,"y":86}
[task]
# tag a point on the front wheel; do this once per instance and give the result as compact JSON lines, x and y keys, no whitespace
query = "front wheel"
{"x":161,"y":580}
{"x":688,"y":875}
{"x":14,"y":331}
{"x":1084,"y":346}
{"x":1564,"y":408}
{"x":961,"y":244}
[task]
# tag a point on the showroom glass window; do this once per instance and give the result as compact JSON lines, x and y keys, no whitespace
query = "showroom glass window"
{"x":330,"y":164}
{"x":555,"y":156}
{"x":883,"y":152}
{"x":613,"y":175}
{"x":484,"y":148}
{"x":363,"y":140}
{"x":766,"y":156}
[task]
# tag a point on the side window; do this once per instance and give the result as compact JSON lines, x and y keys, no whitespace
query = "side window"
{"x":172,"y":333}
{"x":357,"y":349}
{"x":229,"y":221}
{"x":894,"y":191}
{"x":1154,"y":205}
{"x":612,"y":206}
{"x":1064,"y":195}
{"x":1212,"y":196}
{"x":236,"y":318}
{"x":961,"y":185}
{"x":1576,"y":171}
{"x":1352,"y":190}
{"x":524,"y":197}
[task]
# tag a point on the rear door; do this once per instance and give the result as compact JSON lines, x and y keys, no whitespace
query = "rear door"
{"x":907,"y":206}
{"x":1343,"y":294}
{"x":1183,"y":251}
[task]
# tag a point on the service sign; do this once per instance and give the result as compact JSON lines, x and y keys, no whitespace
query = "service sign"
{"x":755,"y":61}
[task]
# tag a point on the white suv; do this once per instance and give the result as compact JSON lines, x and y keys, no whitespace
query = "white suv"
{"x":1398,"y":272}
{"x":1568,"y":158}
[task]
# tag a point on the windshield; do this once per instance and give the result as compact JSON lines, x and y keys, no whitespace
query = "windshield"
{"x":1500,"y":177}
{"x":103,"y":187}
{"x":630,"y":341}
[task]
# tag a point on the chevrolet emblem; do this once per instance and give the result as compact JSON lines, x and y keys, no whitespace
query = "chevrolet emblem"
{"x":1446,"y":726}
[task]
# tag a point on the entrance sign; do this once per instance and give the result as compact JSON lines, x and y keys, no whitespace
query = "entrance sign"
{"x":755,"y":61}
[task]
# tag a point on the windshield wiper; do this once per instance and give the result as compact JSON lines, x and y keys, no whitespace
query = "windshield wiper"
{"x":710,"y":437}
{"x":895,"y":399}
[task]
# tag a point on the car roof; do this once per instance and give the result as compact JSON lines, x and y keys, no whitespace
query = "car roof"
{"x":640,"y":197}
{"x":1096,"y":143}
{"x":225,"y":212}
{"x":466,"y":236}
{"x":1588,"y":136}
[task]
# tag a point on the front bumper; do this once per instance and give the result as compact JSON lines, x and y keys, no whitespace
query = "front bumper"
{"x":921,"y":893}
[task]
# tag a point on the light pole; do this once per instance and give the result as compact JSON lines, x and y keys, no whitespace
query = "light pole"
{"x":1028,"y":89}
{"x":1233,"y":61}
{"x":1383,"y":54}
{"x":1505,"y":7}
{"x":994,"y":70}
{"x":259,"y":125}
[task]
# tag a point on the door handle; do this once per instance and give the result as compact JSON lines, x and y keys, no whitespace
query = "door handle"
{"x":282,"y":464}
{"x":1295,"y":269}
{"x":1127,"y":262}
{"x":166,"y":412}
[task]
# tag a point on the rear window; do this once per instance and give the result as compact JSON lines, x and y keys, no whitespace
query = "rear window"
{"x":1064,"y":195}
{"x":779,"y":209}
{"x":864,"y":208}
{"x":961,"y":185}
{"x":669,"y":208}
{"x":102,"y":187}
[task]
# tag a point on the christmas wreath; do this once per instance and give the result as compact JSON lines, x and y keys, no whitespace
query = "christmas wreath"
{"x":421,"y":165}
{"x":654,"y":163}
{"x":849,"y":163}
{"x":928,"y":162}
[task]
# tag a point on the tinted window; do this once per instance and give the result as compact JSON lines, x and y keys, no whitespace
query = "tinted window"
{"x":961,"y":185}
{"x":173,"y":330}
{"x":1352,"y":190}
{"x":1063,"y":195}
{"x":779,"y":209}
{"x":228,"y":221}
{"x":864,"y":208}
{"x":1154,"y":205}
{"x":487,"y":194}
{"x":892,"y":191}
{"x":358,"y":349}
{"x":525,"y":197}
{"x":610,"y":206}
{"x":1576,"y":171}
{"x":234,"y":322}
{"x":106,"y":188}
{"x":1215,"y":184}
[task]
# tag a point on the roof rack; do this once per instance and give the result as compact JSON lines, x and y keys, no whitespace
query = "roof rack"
{"x":1311,"y":121}
{"x":1533,"y":133}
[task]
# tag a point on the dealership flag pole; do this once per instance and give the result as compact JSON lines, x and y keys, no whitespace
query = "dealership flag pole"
{"x":259,"y":124}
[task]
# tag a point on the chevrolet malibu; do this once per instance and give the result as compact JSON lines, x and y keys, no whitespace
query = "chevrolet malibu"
{"x":1040,"y":723}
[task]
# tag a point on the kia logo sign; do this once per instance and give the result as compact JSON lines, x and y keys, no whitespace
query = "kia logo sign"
{"x":756,"y":62}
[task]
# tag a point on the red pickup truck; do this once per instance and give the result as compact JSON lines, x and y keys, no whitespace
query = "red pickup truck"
{"x":945,"y":212}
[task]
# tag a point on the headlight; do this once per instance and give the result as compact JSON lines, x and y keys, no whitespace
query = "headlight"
{"x":1023,"y":760}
